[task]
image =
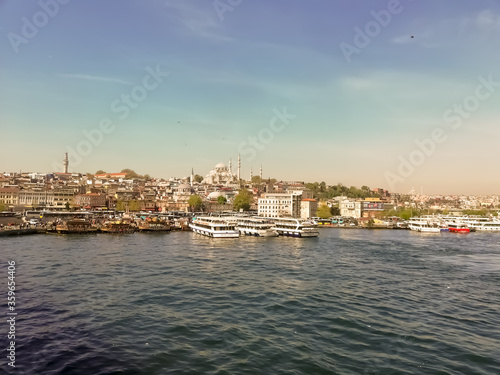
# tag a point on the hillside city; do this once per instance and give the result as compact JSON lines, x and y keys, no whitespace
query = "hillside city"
{"x":221,"y":190}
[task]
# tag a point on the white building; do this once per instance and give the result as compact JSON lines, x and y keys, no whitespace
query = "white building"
{"x":349,"y":208}
{"x":279,"y":205}
{"x":308,"y":208}
{"x":220,"y":175}
{"x":46,"y":198}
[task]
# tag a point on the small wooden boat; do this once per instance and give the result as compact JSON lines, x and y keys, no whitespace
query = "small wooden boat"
{"x":118,"y":226}
{"x":153,"y":225}
{"x":75,"y":226}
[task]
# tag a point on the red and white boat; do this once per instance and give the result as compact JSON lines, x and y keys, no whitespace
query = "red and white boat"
{"x":458,"y":228}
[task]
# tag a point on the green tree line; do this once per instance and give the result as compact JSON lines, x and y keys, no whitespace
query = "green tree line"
{"x":322,"y":191}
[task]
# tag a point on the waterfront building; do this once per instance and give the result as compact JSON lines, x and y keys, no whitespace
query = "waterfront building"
{"x":374,"y":208}
{"x":36,"y":197}
{"x":279,"y":205}
{"x":308,"y":208}
{"x":351,"y":208}
{"x":61,"y":197}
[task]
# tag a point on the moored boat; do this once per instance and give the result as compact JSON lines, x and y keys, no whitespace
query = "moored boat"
{"x":215,"y":227}
{"x":118,"y":226}
{"x":423,"y":225}
{"x":295,"y":227}
{"x":458,"y":228}
{"x":75,"y":226}
{"x":153,"y":225}
{"x":485,"y":226}
{"x":255,"y":226}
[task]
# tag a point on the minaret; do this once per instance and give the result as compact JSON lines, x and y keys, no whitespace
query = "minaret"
{"x":66,"y":162}
{"x":251,"y":174}
{"x":261,"y":173}
{"x":230,"y":167}
{"x":239,"y":167}
{"x":191,"y":178}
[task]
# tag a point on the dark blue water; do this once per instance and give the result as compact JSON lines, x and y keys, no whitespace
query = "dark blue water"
{"x":348,"y":302}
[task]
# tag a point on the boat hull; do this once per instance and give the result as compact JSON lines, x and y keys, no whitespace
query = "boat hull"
{"x":459,"y":230}
{"x":215,"y":234}
{"x":258,"y":233}
{"x":293,"y":233}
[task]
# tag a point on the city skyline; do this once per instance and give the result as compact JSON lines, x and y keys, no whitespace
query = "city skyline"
{"x":390,"y":94}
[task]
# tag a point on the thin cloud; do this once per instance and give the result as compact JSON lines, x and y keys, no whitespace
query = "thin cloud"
{"x":452,"y":31}
{"x":89,"y":77}
{"x":488,"y":21}
{"x":197,"y":19}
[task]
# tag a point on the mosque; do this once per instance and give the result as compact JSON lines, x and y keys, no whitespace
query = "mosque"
{"x":223,"y":175}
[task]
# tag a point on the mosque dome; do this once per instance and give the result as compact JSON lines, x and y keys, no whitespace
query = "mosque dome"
{"x":215,"y":195}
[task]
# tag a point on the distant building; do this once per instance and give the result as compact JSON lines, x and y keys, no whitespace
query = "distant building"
{"x":36,"y":198}
{"x":372,"y":208}
{"x":279,"y":205}
{"x":308,"y":208}
{"x":368,"y":208}
{"x":4,"y":181}
{"x":90,"y":200}
{"x":220,"y":175}
{"x":351,"y":208}
{"x":9,"y":196}
{"x":111,"y":176}
{"x":61,"y":197}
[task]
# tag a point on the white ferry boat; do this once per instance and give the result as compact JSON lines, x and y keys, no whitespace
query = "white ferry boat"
{"x":295,"y":227}
{"x":216,"y":227}
{"x":255,"y":226}
{"x":423,"y":225}
{"x":484,"y":225}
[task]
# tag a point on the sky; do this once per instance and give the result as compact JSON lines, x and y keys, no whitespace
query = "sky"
{"x":390,"y":94}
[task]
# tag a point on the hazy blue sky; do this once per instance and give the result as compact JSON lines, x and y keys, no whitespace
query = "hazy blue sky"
{"x":356,"y":105}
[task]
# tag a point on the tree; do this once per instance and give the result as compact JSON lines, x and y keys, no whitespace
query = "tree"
{"x":90,"y":176}
{"x":100,"y":171}
{"x":195,"y":202}
{"x":335,"y":211}
{"x":256,"y":180}
{"x":130,"y":174}
{"x":243,"y":200}
{"x":221,"y":200}
{"x":198,"y":178}
{"x":3,"y":207}
{"x":323,"y":212}
{"x":405,"y":213}
{"x":67,"y":206}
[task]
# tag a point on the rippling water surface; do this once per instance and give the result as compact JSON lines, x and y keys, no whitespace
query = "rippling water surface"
{"x":348,"y":302}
